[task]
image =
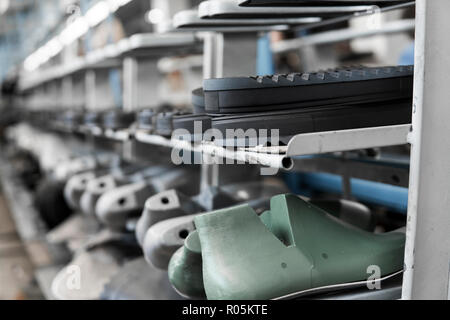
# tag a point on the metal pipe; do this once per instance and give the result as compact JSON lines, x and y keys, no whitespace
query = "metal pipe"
{"x":276,"y":161}
{"x":342,"y":35}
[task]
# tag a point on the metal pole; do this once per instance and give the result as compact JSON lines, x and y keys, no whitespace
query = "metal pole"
{"x":346,"y":180}
{"x":213,"y":55}
{"x":67,"y":92}
{"x":90,"y":90}
{"x":212,"y":68}
{"x":427,"y":253}
{"x":130,"y":69}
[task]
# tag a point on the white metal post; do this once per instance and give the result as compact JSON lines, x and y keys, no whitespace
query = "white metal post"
{"x":67,"y":92}
{"x":90,"y":90}
{"x":213,"y":44}
{"x":130,"y":70}
{"x":427,"y":253}
{"x":212,"y":68}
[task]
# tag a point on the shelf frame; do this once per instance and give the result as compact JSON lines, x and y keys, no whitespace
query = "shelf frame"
{"x":427,"y":252}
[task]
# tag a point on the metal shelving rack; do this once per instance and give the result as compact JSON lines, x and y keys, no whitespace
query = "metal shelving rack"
{"x":427,"y":254}
{"x":110,"y":56}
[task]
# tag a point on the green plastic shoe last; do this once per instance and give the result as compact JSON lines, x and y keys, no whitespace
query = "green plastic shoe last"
{"x":293,"y":247}
{"x":186,"y":274}
{"x":185,"y":269}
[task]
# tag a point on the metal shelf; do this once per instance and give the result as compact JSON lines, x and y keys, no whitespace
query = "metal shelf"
{"x":189,"y":20}
{"x":110,"y":56}
{"x":299,"y":3}
{"x":280,"y":157}
{"x":231,"y":9}
{"x":94,"y":60}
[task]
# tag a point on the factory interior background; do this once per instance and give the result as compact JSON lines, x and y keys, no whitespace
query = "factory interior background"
{"x":192,"y":150}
